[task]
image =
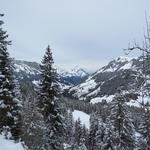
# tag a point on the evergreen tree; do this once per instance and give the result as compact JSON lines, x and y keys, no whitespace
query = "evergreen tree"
{"x":48,"y":106}
{"x":145,"y":128}
{"x":122,"y":125}
{"x":109,"y":139}
{"x":85,"y":135}
{"x":80,"y":132}
{"x":33,"y":124}
{"x":100,"y":135}
{"x":9,"y":105}
{"x":92,"y":132}
{"x":69,"y":128}
{"x":18,"y":108}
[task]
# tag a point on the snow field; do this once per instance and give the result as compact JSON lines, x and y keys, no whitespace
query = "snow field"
{"x":85,"y":118}
{"x":9,"y":144}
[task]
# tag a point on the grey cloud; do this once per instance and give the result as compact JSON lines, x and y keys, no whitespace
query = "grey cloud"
{"x":87,"y":31}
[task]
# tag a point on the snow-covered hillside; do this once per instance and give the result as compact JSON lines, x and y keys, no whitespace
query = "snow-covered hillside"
{"x":103,"y":84}
{"x":9,"y":144}
{"x":137,"y":103}
{"x":28,"y":67}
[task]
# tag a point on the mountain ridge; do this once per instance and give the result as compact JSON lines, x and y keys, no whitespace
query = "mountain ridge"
{"x":120,"y":72}
{"x":25,"y":70}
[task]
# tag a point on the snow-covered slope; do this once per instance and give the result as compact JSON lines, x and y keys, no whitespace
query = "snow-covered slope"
{"x":9,"y":144}
{"x":103,"y":84}
{"x":28,"y":67}
{"x":85,"y":118}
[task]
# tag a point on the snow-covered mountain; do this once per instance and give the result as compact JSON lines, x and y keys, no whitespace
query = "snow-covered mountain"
{"x":122,"y":72}
{"x":73,"y":76}
{"x":76,"y":71}
{"x":25,"y":70}
{"x":30,"y":71}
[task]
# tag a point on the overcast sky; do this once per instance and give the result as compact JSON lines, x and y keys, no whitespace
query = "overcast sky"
{"x":87,"y":33}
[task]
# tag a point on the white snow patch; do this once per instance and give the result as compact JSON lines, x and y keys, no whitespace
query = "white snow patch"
{"x":123,"y":59}
{"x":111,"y":69}
{"x":127,"y":66}
{"x":85,"y":118}
{"x":108,"y":99}
{"x":139,"y":101}
{"x":100,"y":99}
{"x":137,"y":135}
{"x":35,"y":82}
{"x":95,"y":92}
{"x":9,"y":144}
{"x":84,"y":87}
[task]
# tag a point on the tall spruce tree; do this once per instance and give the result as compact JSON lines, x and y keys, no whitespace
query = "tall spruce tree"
{"x":70,"y":128}
{"x":80,"y":133}
{"x":32,"y":121}
{"x":145,"y":128}
{"x":122,"y":125}
{"x":92,"y":132}
{"x":48,"y":106}
{"x":100,"y":135}
{"x":9,"y":105}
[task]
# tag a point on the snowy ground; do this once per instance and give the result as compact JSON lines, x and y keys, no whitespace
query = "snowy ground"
{"x":108,"y":99}
{"x":9,"y":145}
{"x":100,"y":99}
{"x":85,"y":118}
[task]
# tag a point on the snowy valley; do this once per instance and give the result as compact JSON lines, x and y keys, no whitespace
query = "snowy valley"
{"x":87,"y":98}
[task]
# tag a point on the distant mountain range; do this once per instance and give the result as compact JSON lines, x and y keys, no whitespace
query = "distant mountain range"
{"x":121,"y":73}
{"x":30,"y":71}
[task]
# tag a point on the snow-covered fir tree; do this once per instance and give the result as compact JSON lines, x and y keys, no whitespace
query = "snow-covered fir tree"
{"x":92,"y":131}
{"x":85,"y":133}
{"x":70,"y":128}
{"x":123,"y":129}
{"x":48,"y":106}
{"x":80,"y":132}
{"x":18,"y":99}
{"x":145,"y":128}
{"x":9,"y":105}
{"x":33,"y":124}
{"x":18,"y":109}
{"x":100,"y":135}
{"x":109,"y":139}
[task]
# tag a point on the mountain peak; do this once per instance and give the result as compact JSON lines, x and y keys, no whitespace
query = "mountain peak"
{"x":79,"y":71}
